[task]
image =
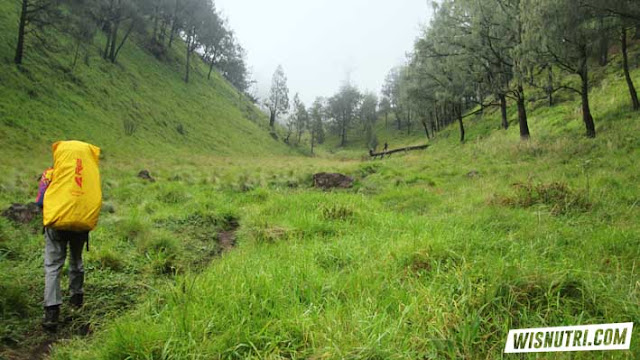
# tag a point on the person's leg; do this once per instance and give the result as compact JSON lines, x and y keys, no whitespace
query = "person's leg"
{"x":76,"y":268}
{"x":55,"y":252}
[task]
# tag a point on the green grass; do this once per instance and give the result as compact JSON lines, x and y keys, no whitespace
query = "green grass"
{"x":47,"y":100}
{"x":432,"y":254}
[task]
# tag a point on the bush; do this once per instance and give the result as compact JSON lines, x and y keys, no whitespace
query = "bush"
{"x":158,"y":244}
{"x":129,"y":126}
{"x":133,"y":228}
{"x":336,"y":212}
{"x":107,"y":258}
{"x":558,"y":196}
{"x":13,"y":298}
{"x":173,"y":195}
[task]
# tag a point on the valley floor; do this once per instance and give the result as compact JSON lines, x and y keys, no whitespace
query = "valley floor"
{"x":432,"y":254}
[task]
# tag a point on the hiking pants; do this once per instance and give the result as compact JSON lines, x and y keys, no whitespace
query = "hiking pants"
{"x":55,"y":252}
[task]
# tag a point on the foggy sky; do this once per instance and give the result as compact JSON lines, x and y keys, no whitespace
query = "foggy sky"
{"x":321,"y":43}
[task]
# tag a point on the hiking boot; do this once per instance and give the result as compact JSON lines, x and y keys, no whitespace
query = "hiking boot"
{"x":51,"y":314}
{"x":77,"y":300}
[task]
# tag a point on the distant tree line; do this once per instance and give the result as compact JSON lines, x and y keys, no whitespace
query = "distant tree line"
{"x":156,"y":23}
{"x":346,"y":110}
{"x":480,"y":53}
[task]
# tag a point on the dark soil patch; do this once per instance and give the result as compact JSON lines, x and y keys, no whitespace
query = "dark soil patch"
{"x":226,"y":240}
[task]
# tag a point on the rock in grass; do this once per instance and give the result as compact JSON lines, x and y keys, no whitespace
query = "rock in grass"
{"x":332,"y":180}
{"x":145,"y":175}
{"x":22,"y":213}
{"x":472,"y":174}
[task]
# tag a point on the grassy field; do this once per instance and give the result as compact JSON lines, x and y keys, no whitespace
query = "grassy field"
{"x":431,"y":255}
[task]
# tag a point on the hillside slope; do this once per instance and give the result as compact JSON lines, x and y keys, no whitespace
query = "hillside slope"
{"x":47,"y":100}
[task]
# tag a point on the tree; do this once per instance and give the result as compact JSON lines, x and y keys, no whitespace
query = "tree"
{"x":316,"y":127}
{"x":300,"y":117}
{"x":199,"y":14}
{"x":368,"y":115}
{"x":115,"y":13}
{"x":624,"y":15}
{"x":278,"y":102}
{"x":392,"y":91}
{"x":217,"y":41}
{"x":233,"y":67}
{"x":494,"y":36}
{"x":82,"y":28}
{"x":344,"y":108}
{"x":635,"y":104}
{"x":385,"y":108}
{"x":564,"y":31}
{"x":35,"y":16}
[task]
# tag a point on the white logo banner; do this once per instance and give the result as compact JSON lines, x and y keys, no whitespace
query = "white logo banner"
{"x":570,"y":338}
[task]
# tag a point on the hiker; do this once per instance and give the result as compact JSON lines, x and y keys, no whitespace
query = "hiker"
{"x":386,"y":147}
{"x":72,"y":184}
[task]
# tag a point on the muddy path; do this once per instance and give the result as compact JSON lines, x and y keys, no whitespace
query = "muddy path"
{"x":79,"y":323}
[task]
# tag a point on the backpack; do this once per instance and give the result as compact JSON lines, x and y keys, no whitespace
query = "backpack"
{"x":73,"y":199}
{"x":45,"y":180}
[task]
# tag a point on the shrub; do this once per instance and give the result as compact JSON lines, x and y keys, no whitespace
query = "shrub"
{"x":158,"y":244}
{"x":13,"y":298}
{"x":173,"y":196}
{"x":129,"y":126}
{"x":336,"y":212}
{"x":107,"y":258}
{"x":133,"y":228}
{"x":558,"y":196}
{"x":270,"y":234}
{"x":427,"y":261}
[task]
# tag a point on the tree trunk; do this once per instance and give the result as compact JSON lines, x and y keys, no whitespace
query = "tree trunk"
{"x":408,"y":121}
{"x":522,"y":115}
{"x":124,"y":40}
{"x":399,"y":119}
{"x":426,"y":129}
{"x":549,"y":88}
{"x":210,"y":70}
{"x":343,"y":133}
{"x":105,"y":54}
{"x":174,"y":23}
{"x":75,"y":56}
{"x":637,"y":35}
{"x":114,"y":37}
{"x":459,"y":113}
{"x":190,"y":41}
{"x":625,"y":66}
{"x":21,"y":29}
{"x":172,"y":34}
{"x":155,"y":23}
{"x":586,"y":110}
{"x":503,"y":111}
{"x":604,"y":45}
{"x":272,"y":118}
{"x":163,"y":30}
{"x":437,"y":114}
{"x":313,"y":135}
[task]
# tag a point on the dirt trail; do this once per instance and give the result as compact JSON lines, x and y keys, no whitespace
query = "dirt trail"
{"x":227,"y":238}
{"x":41,"y":348}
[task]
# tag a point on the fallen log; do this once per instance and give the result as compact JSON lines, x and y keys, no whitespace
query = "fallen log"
{"x":389,"y":152}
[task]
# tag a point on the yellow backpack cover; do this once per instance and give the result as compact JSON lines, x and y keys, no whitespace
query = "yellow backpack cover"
{"x":74,"y":197}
